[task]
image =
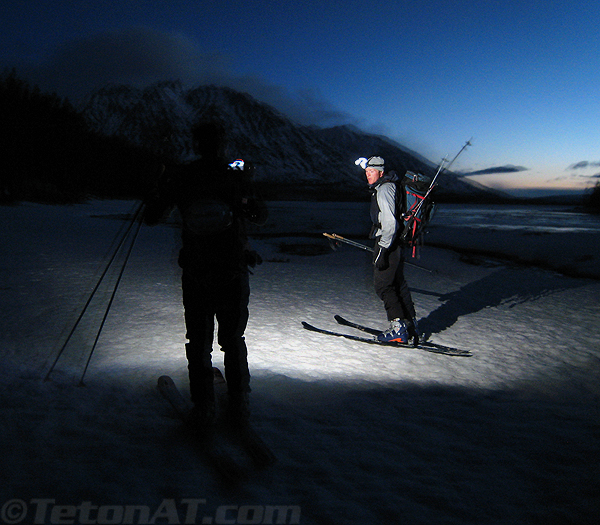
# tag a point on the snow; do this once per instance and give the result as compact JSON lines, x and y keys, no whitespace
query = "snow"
{"x":364,"y":434}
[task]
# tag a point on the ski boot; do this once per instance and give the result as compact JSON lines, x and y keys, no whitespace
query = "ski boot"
{"x":238,"y":410}
{"x":201,"y":421}
{"x":397,"y":332}
{"x":413,"y":331}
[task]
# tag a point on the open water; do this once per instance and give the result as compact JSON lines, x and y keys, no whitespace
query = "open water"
{"x":542,"y":219}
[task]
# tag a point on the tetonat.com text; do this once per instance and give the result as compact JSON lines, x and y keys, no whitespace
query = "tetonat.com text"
{"x":179,"y":512}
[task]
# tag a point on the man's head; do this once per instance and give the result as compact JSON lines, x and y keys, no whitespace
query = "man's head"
{"x":374,"y":169}
{"x":209,"y":140}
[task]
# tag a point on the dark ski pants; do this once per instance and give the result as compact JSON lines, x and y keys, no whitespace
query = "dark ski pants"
{"x":226,"y":300}
{"x":391,"y":287}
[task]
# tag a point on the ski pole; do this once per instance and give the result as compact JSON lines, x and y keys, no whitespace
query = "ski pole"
{"x":337,"y":237}
{"x":467,"y":144}
{"x":440,"y":169}
{"x":93,"y":292}
{"x":112,"y":297}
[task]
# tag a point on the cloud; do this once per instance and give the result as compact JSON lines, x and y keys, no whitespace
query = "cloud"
{"x":139,"y":56}
{"x":581,"y":172}
{"x":578,"y":178}
{"x":496,"y":170}
{"x":134,"y":56}
{"x":306,"y":107}
{"x":584,"y":164}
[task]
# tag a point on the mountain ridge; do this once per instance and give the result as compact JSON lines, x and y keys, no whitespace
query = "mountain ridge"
{"x":291,"y":160}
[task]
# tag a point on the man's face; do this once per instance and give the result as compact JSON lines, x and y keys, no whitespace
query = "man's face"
{"x":373,"y":175}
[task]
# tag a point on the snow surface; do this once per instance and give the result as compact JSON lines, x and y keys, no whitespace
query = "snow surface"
{"x":364,"y":434}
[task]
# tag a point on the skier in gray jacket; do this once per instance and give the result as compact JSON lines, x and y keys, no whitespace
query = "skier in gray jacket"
{"x":388,"y":257}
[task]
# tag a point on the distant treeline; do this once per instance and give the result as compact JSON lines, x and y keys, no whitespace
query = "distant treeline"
{"x":594,"y":199}
{"x":49,"y":154}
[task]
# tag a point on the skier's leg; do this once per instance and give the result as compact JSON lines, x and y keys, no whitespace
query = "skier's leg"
{"x":405,"y":298}
{"x":199,"y":321}
{"x":232,"y":317}
{"x":386,"y":289}
{"x":402,"y":289}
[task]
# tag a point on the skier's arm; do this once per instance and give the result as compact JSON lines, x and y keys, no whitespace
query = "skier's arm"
{"x":160,"y":203}
{"x":386,"y":200}
{"x":255,"y":210}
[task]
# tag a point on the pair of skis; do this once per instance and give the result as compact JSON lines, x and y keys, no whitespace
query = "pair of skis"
{"x":426,"y":346}
{"x":223,"y":449}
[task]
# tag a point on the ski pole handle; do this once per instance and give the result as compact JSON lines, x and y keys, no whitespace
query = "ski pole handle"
{"x":337,"y":237}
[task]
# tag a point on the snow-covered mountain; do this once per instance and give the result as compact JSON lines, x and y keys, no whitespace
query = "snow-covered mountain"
{"x":292,"y":160}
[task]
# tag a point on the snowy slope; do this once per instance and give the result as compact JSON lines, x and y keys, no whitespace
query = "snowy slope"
{"x":314,"y":161}
{"x":364,"y":435}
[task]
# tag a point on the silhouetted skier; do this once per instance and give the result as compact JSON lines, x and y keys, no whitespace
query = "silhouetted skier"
{"x":214,"y":199}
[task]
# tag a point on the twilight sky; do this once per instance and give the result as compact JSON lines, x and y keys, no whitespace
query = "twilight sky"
{"x":522,"y":77}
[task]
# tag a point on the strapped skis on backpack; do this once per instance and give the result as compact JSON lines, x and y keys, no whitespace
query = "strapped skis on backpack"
{"x":417,"y":203}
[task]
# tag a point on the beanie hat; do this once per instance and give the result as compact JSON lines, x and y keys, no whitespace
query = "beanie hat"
{"x":376,"y":162}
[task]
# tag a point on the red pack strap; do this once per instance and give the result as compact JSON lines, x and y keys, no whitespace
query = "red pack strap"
{"x":417,"y":196}
{"x":414,"y":243}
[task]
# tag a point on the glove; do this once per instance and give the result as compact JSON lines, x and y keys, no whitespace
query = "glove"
{"x":252,"y":258}
{"x":380,"y":259}
{"x":255,"y":211}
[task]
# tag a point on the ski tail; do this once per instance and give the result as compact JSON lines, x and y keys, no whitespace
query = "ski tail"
{"x":243,"y":433}
{"x":368,"y":330}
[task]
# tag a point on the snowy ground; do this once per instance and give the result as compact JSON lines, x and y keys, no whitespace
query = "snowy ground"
{"x":364,"y":435}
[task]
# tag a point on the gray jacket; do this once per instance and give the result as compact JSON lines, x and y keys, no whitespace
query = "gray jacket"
{"x":384,"y":209}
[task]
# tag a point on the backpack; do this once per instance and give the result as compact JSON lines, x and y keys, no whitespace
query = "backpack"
{"x":205,"y":198}
{"x":417,"y":208}
{"x":207,"y":216}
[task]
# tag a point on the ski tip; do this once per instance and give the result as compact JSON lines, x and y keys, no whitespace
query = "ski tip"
{"x":218,"y":377}
{"x":445,"y":350}
{"x":310,"y":327}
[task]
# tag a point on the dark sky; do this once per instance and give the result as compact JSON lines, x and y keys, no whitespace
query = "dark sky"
{"x":519,"y":76}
